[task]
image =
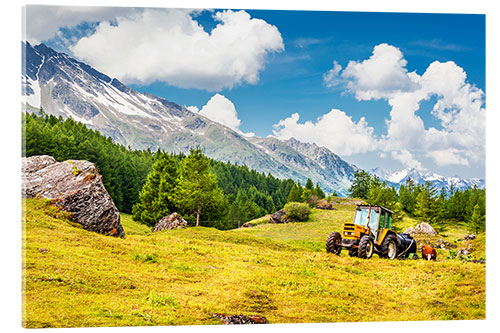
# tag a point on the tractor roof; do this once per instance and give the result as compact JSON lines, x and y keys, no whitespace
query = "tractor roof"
{"x":374,"y":206}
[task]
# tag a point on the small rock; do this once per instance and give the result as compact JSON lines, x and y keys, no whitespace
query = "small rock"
{"x":240,"y":319}
{"x":324,"y":204}
{"x":470,"y":237}
{"x":172,"y":221}
{"x":42,"y":250}
{"x":246,"y":225}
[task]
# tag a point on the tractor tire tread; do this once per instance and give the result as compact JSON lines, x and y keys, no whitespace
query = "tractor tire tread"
{"x":363,"y":242}
{"x":332,"y":239}
{"x":385,"y":244}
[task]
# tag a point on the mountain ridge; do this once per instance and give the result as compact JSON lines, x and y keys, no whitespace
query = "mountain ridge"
{"x":67,"y":87}
{"x":398,"y":178}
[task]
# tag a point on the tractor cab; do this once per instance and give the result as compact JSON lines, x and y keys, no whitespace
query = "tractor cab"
{"x":374,"y":219}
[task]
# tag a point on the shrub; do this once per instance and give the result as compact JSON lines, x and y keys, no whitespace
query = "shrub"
{"x":145,"y":257}
{"x":297,"y":211}
{"x":161,"y":300}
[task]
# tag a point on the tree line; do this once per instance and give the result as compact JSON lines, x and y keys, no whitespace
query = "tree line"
{"x":239,"y":194}
{"x":424,"y":201}
{"x":246,"y":194}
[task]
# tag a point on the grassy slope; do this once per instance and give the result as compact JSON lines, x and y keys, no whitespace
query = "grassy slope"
{"x":78,"y":278}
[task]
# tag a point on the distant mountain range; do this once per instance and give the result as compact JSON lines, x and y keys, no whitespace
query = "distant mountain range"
{"x":65,"y":87}
{"x":398,"y":178}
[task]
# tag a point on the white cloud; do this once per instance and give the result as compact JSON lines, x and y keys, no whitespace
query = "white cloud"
{"x":221,"y":110}
{"x":448,"y":157}
{"x":43,"y":22}
{"x":331,"y":77}
{"x":406,"y":158}
{"x":381,"y":76}
{"x":334,"y":130}
{"x":169,"y":45}
{"x":193,"y":108}
{"x":460,"y":140}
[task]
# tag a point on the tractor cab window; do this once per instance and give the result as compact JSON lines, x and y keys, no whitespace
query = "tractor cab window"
{"x":361,"y":217}
{"x":373,"y":222}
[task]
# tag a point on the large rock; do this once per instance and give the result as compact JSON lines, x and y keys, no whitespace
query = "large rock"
{"x":422,"y":228}
{"x":324,"y":204}
{"x":76,"y":187}
{"x":172,"y":221}
{"x":279,"y":217}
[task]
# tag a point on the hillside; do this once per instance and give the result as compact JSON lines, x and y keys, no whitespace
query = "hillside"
{"x":77,"y":278}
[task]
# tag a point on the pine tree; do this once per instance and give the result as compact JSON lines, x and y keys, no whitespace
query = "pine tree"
{"x":197,"y":188}
{"x":425,"y":206}
{"x":318,"y":192}
{"x":154,"y":201}
{"x":309,"y":184}
{"x":477,"y":221}
{"x":407,"y":196}
{"x":295,"y":194}
{"x":360,"y":185}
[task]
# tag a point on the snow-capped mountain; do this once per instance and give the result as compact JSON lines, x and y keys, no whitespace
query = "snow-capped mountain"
{"x":65,"y":87}
{"x":398,"y":178}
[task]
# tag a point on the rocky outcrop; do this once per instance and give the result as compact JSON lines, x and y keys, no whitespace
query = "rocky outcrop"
{"x":172,"y":221}
{"x":469,"y":237}
{"x":422,"y":228}
{"x":75,"y":186}
{"x":279,"y":217}
{"x":324,"y":204}
{"x":240,"y":319}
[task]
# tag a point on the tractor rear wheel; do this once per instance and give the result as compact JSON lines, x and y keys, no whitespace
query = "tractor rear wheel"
{"x":333,"y":243}
{"x":365,"y":249}
{"x":390,"y":247}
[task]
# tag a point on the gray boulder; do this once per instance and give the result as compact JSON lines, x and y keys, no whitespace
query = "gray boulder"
{"x":172,"y":221}
{"x":279,"y":217}
{"x":75,"y":186}
{"x":421,"y":228}
{"x":324,"y":204}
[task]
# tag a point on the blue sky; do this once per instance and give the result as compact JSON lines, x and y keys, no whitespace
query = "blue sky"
{"x":281,"y":84}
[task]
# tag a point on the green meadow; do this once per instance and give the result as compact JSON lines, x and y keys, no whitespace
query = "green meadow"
{"x":74,"y":278}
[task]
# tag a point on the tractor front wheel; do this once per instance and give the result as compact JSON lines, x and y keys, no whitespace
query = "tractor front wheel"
{"x":334,"y":243}
{"x":365,"y":249}
{"x":353,"y":252}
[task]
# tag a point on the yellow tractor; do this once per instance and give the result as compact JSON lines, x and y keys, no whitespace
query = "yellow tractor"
{"x":369,"y":232}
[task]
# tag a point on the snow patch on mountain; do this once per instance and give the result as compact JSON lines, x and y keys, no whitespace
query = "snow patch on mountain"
{"x":66,"y":87}
{"x":398,"y":178}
